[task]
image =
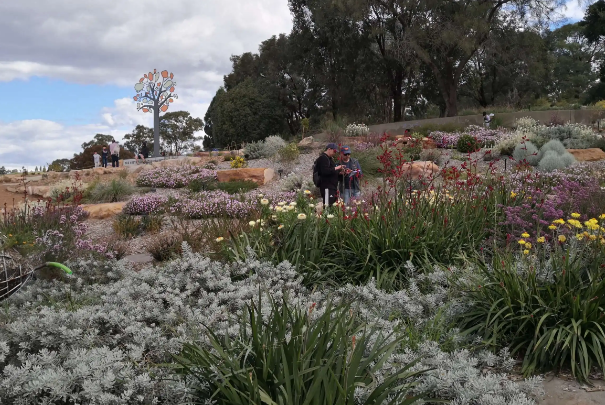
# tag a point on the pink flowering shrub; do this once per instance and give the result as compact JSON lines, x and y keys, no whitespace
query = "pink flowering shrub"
{"x":212,"y":204}
{"x":58,"y":244}
{"x":486,"y":137}
{"x":174,"y":177}
{"x":146,"y":204}
{"x":204,"y":204}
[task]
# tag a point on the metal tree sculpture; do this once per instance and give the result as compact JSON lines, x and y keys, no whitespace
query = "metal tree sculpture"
{"x":155,"y":91}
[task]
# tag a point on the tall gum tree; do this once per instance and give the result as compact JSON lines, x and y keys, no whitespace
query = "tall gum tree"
{"x":445,"y":34}
{"x":155,"y":92}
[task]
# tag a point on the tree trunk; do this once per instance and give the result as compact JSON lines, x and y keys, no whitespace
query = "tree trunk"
{"x":156,"y":130}
{"x":451,"y":100}
{"x":396,"y":88}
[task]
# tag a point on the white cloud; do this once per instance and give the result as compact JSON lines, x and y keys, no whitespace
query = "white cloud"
{"x":115,"y":42}
{"x":574,"y":10}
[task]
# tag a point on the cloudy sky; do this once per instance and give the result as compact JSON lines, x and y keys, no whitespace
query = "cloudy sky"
{"x":68,"y":67}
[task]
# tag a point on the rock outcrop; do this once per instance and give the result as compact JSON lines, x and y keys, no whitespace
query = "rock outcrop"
{"x":587,"y":155}
{"x":260,"y":176}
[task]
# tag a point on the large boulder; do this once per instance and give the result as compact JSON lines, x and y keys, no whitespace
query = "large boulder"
{"x":102,"y":211}
{"x":260,"y":176}
{"x":15,"y":189}
{"x":587,"y":155}
{"x":419,"y":170}
{"x":42,"y":191}
{"x":308,"y":141}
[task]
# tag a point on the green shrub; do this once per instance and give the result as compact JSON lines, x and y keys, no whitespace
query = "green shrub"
{"x":113,"y":191}
{"x":290,"y":358}
{"x":152,"y":223}
{"x":467,"y":144}
{"x":165,"y":247}
{"x":289,"y":153}
{"x":239,"y":186}
{"x":599,"y":143}
{"x":368,"y":160}
{"x":123,"y":174}
{"x":526,"y":152}
{"x":550,"y":312}
{"x":126,"y":226}
{"x":197,"y":185}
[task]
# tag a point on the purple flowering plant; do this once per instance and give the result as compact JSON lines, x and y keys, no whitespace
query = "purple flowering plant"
{"x":174,"y":177}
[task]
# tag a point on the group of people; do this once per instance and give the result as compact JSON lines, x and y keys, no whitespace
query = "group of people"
{"x":334,"y":180}
{"x":114,"y":151}
{"x":102,"y":159}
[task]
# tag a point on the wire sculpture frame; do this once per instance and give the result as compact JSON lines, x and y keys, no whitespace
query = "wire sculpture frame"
{"x":13,"y":276}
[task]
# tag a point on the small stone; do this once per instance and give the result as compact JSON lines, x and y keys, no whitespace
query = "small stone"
{"x":139,"y":258}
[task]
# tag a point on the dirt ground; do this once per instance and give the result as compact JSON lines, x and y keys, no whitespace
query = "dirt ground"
{"x":567,"y":392}
{"x":11,"y":199}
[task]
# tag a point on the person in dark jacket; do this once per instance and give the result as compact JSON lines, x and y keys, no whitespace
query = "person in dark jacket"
{"x":328,"y":174}
{"x":104,"y":156}
{"x":143,"y":153}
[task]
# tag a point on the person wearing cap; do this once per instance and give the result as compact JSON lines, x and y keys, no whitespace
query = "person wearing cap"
{"x":349,"y":179}
{"x":328,"y":174}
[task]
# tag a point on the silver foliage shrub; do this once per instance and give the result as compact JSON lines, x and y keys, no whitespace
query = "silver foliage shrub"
{"x":99,"y":338}
{"x":272,"y":145}
{"x":296,"y":182}
{"x":526,"y":152}
{"x":264,"y":149}
{"x":254,"y":150}
{"x":553,"y":161}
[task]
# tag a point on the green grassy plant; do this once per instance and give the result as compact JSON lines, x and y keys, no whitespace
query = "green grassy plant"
{"x":127,"y":226}
{"x":549,"y":310}
{"x":234,"y":187}
{"x":381,"y":237}
{"x":113,"y":191}
{"x":292,"y":359}
{"x":152,"y":223}
{"x":368,"y":160}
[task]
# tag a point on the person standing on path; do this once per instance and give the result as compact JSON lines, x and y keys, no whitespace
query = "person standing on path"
{"x":96,"y":159}
{"x":487,"y":119}
{"x":114,"y":149}
{"x":328,"y":174}
{"x":349,"y":180}
{"x":104,"y":156}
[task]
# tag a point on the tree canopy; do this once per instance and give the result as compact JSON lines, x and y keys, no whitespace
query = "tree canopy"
{"x":377,"y":61}
{"x":178,"y":129}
